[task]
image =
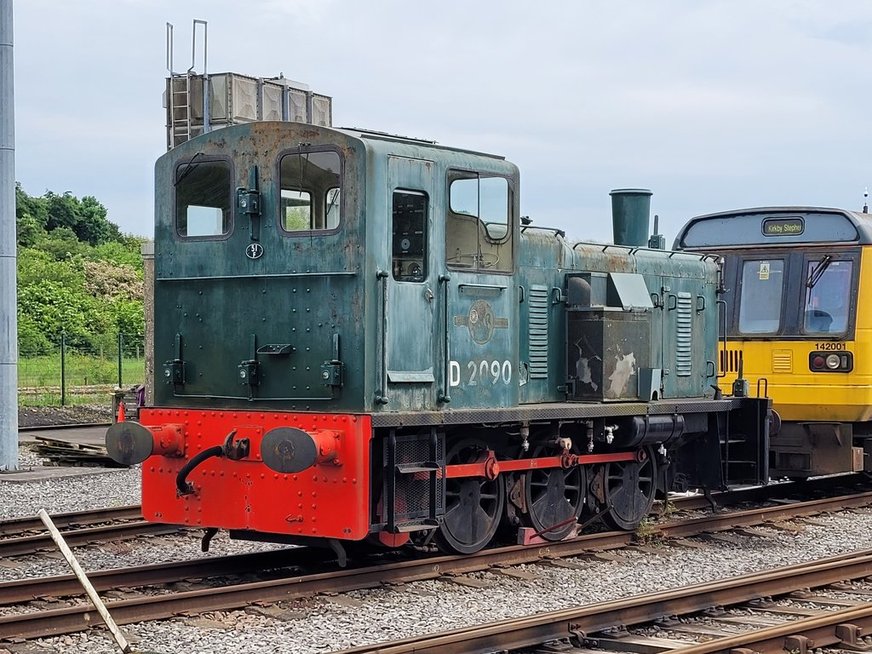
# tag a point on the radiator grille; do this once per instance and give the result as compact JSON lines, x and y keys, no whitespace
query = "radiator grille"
{"x":538,"y":332}
{"x":684,"y":335}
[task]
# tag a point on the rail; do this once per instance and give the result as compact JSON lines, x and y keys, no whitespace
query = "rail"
{"x":76,"y":618}
{"x":577,"y":623}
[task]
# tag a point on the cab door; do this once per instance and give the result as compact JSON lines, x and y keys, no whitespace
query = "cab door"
{"x":410,"y":298}
{"x":480,"y":292}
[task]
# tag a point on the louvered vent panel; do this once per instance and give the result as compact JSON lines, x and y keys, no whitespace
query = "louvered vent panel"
{"x":538,"y":332}
{"x":782,"y":361}
{"x":730,"y":360}
{"x":684,"y":335}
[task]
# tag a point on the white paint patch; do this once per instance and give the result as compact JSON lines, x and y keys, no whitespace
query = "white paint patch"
{"x":583,"y":374}
{"x":624,"y":369}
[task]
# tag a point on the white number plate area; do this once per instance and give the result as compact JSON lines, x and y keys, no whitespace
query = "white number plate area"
{"x":479,"y":373}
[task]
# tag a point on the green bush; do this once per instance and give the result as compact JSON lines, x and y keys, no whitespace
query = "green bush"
{"x":80,"y":277}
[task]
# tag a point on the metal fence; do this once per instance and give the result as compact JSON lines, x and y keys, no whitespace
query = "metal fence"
{"x":65,"y":375}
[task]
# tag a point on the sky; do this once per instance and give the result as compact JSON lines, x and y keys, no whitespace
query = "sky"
{"x":713,"y":105}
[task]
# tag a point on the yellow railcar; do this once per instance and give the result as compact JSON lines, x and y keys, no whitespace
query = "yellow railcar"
{"x":797,"y":320}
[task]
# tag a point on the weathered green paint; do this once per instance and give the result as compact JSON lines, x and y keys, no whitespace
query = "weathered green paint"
{"x":315,"y":307}
{"x":546,"y":260}
{"x":631,"y":210}
{"x":307,"y":290}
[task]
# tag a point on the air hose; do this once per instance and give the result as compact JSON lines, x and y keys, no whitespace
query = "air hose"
{"x":182,"y":484}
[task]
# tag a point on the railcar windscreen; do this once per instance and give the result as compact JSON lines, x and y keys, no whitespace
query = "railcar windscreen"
{"x":203,"y":198}
{"x":827,"y":300}
{"x":762,"y":288}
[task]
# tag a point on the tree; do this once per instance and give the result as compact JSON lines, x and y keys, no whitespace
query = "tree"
{"x":31,"y":216}
{"x":76,"y":274}
{"x":86,"y":217}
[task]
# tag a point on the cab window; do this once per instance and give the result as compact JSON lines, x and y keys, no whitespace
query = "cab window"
{"x":311,"y":191}
{"x":827,"y":296}
{"x":409,"y":236}
{"x":478,"y":230}
{"x":762,"y":289}
{"x":203,"y":198}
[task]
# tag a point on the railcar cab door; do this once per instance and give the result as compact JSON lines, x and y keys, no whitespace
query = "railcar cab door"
{"x":480,"y":292}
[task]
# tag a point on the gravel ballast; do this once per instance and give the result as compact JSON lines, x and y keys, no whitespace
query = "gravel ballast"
{"x":325,"y":624}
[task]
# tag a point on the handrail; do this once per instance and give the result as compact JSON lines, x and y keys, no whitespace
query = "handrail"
{"x":445,"y":395}
{"x":381,"y":395}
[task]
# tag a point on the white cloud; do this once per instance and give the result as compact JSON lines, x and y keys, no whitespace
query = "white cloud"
{"x":712,"y":105}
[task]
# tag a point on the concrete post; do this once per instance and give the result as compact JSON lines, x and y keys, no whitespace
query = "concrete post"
{"x":8,"y":254}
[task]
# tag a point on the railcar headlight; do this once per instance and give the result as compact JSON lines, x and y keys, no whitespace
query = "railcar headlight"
{"x":840,"y":361}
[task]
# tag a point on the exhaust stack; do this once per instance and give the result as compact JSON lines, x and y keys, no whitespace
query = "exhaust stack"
{"x":631,"y":208}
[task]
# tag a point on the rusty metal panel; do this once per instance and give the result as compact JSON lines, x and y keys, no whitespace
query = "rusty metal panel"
{"x":804,"y":449}
{"x":607,"y":350}
{"x":483,"y":340}
{"x":411,"y":283}
{"x":557,"y":411}
{"x":543,"y":257}
{"x":282,"y":314}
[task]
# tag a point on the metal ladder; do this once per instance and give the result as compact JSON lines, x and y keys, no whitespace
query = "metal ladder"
{"x":414,"y":487}
{"x":179,"y":92}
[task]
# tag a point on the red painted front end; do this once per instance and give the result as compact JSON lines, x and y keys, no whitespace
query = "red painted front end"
{"x":328,"y":500}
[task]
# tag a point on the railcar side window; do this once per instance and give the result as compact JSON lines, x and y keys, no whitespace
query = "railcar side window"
{"x":478,"y":232}
{"x":203,"y":198}
{"x":762,"y":288}
{"x":311,"y":190}
{"x":409,"y":236}
{"x":827,"y":296}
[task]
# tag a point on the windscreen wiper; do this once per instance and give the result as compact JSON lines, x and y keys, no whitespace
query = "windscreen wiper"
{"x":818,"y":271}
{"x":189,"y":167}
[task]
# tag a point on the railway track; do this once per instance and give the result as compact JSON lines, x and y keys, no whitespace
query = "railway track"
{"x":26,"y":535}
{"x":230,"y":596}
{"x":20,"y":526}
{"x":22,"y":536}
{"x":75,"y":425}
{"x":583,"y":626}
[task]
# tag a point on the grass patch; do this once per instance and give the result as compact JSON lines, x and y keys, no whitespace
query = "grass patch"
{"x":647,"y":532}
{"x":87,"y":378}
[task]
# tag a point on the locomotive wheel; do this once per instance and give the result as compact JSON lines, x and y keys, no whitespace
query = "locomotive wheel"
{"x":473,"y":505}
{"x":629,"y":491}
{"x":554,"y":499}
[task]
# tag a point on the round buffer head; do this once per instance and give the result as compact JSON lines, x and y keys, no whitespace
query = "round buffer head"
{"x":288,"y":449}
{"x":129,"y":442}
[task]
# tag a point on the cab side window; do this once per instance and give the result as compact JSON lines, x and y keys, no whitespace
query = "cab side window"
{"x":409,"y":236}
{"x":478,"y":230}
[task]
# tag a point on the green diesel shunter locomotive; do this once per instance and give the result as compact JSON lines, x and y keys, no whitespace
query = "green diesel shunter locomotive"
{"x":357,"y":336}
